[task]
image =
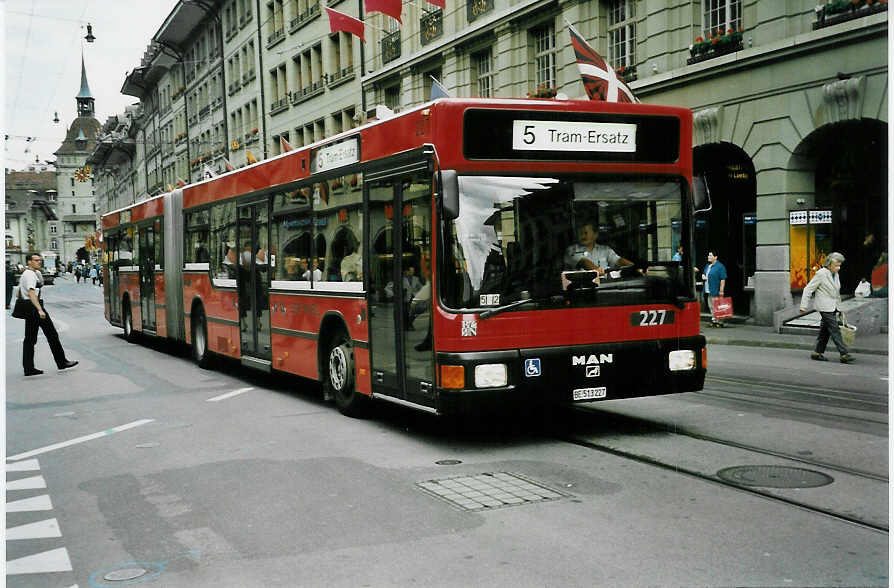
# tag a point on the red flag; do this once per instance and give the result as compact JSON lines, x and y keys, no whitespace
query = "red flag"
{"x":284,"y":144}
{"x":390,"y":7}
{"x":440,"y":3}
{"x":599,"y":79}
{"x":339,"y":21}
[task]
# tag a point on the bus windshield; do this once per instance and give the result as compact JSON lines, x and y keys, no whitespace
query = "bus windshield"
{"x":566,"y":240}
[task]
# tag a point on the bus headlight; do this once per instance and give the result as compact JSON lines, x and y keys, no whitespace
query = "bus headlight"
{"x":491,"y":375}
{"x":681,"y":360}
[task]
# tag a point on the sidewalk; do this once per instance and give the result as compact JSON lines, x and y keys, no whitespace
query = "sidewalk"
{"x":738,"y":333}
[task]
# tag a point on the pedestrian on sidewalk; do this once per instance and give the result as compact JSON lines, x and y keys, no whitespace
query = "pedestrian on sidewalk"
{"x":825,"y":288}
{"x":29,"y":287}
{"x":715,"y":281}
{"x":10,"y":282}
{"x":93,"y":274}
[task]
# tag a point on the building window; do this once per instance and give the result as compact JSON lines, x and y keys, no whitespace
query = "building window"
{"x":622,"y":33}
{"x":72,"y":182}
{"x":483,"y":72}
{"x":545,"y":56}
{"x":392,"y":97}
{"x":53,"y":244}
{"x":74,"y":208}
{"x":721,"y":15}
{"x":52,"y":229}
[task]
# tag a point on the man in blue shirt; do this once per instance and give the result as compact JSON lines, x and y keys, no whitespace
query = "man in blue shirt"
{"x":715,"y":280}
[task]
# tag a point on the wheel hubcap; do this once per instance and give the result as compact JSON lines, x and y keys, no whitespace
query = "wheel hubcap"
{"x":338,"y":367}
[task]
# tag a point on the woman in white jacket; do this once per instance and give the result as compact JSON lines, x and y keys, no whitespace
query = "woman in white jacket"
{"x":826,"y":288}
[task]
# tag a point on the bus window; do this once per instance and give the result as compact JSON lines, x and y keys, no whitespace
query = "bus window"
{"x":338,"y":219}
{"x":126,"y":247}
{"x":223,"y":240}
{"x":196,"y":247}
{"x":292,"y":235}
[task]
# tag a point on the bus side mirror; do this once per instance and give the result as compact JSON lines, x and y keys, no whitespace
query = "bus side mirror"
{"x":701,"y":195}
{"x":449,"y":194}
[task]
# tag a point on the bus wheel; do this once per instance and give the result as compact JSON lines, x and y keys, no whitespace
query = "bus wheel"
{"x":340,"y":379}
{"x":200,"y":340}
{"x":129,"y":333}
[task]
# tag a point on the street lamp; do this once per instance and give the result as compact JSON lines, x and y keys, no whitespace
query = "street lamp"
{"x":89,"y":36}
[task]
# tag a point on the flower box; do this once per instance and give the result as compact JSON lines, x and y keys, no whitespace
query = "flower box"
{"x":543,"y":91}
{"x":839,"y":11}
{"x":718,"y":43}
{"x":626,"y":73}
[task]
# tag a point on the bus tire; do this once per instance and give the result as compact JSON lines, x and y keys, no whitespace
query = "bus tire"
{"x":199,"y":339}
{"x":127,"y":320}
{"x":340,"y":378}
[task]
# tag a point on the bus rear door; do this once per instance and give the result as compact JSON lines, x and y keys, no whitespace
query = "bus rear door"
{"x":253,"y":283}
{"x":147,"y":277}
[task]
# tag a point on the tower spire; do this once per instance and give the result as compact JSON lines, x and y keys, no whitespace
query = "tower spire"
{"x":84,"y":98}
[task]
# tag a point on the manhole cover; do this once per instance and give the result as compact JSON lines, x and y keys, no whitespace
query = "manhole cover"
{"x":124,"y":574}
{"x":489,"y":490}
{"x":448,"y":462}
{"x":775,"y":477}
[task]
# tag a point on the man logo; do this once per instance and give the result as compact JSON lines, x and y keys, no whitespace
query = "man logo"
{"x":592,"y":371}
{"x":592,"y":359}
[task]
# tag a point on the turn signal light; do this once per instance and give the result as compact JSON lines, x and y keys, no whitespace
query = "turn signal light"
{"x":453,"y":377}
{"x":704,"y":358}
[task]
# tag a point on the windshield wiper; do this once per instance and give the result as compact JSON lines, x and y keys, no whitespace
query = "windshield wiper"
{"x":492,"y":311}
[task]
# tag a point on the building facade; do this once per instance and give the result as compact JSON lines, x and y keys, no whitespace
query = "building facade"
{"x":789,"y":98}
{"x":32,"y":222}
{"x":77,"y":204}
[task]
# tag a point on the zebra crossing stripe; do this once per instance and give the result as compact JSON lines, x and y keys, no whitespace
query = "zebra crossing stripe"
{"x":30,"y":504}
{"x":78,"y":440}
{"x":23,"y":466}
{"x":32,"y":483}
{"x":55,"y":560}
{"x":39,"y":530}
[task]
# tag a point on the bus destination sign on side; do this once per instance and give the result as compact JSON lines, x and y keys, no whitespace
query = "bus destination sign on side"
{"x":337,"y":155}
{"x":555,"y":135}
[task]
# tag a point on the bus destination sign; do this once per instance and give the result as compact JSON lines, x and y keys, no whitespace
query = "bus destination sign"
{"x":556,"y":135}
{"x":337,"y":155}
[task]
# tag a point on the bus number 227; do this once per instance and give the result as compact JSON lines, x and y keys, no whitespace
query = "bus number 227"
{"x":651,"y":318}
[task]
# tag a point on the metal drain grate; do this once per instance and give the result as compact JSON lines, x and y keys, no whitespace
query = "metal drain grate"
{"x":489,"y":490}
{"x":774,"y":477}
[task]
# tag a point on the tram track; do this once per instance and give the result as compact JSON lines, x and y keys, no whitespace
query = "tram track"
{"x":713,"y":479}
{"x":703,"y":456}
{"x":797,"y":393}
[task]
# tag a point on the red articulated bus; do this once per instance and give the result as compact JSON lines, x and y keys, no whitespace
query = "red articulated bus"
{"x":463,"y":253}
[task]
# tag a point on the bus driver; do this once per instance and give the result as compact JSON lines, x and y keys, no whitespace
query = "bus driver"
{"x":590,"y":255}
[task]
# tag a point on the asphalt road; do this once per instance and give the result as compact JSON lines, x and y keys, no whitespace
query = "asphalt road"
{"x":138,"y":467}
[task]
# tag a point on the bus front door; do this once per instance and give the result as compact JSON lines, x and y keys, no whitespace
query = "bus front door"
{"x":253,"y":283}
{"x":147,"y":277}
{"x":400,"y":288}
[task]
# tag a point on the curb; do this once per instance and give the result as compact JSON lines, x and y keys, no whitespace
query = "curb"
{"x":784,"y":345}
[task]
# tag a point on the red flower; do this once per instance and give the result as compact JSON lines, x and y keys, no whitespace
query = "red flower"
{"x":699,"y":39}
{"x":719,"y":32}
{"x":714,"y":40}
{"x":741,"y":29}
{"x":730,"y":31}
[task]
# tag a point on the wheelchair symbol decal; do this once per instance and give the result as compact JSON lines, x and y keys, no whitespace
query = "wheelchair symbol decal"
{"x":532,"y":367}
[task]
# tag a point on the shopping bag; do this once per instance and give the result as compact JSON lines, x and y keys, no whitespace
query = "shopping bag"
{"x":848,"y":332}
{"x":723,"y":307}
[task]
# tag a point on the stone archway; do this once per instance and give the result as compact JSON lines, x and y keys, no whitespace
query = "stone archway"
{"x":845,"y":165}
{"x":729,"y":228}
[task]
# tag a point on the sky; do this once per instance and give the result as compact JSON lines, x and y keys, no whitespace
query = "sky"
{"x":43,"y":40}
